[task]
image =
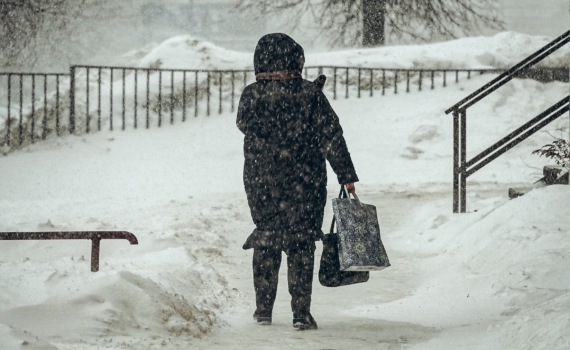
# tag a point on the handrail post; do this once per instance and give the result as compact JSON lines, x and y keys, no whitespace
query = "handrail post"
{"x":455,"y":162}
{"x":463,"y":185}
{"x":95,"y":245}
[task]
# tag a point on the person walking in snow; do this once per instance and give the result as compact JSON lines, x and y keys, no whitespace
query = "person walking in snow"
{"x":290,"y":130}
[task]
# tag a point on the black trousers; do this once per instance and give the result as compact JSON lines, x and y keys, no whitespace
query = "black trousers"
{"x":300,"y":265}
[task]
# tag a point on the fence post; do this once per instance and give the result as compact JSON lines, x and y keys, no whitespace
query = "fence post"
{"x":171,"y":97}
{"x":123,"y":116}
{"x":136,"y":74}
{"x":371,"y":82}
{"x":71,"y":99}
{"x":44,"y":123}
{"x":346,"y":83}
{"x":21,"y":128}
{"x":57,"y":105}
{"x":184,"y":96}
{"x":359,"y":70}
{"x":220,"y":99}
{"x":395,"y":82}
{"x":407,"y":81}
{"x":8,"y":121}
{"x":334,"y":83}
{"x":420,"y":81}
{"x":233,"y":90}
{"x":195,"y":94}
{"x":147,"y":98}
{"x":159,"y":98}
{"x":208,"y":94}
{"x":383,"y":81}
{"x":99,"y":99}
{"x":87,"y":121}
{"x":111,"y":101}
{"x":33,"y":123}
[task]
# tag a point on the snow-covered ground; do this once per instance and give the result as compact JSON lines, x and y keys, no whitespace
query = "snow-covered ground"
{"x":493,"y":278}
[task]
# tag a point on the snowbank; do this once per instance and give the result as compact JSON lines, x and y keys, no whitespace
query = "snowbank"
{"x":164,"y":291}
{"x":503,"y":266}
{"x":502,"y":50}
{"x":187,"y":52}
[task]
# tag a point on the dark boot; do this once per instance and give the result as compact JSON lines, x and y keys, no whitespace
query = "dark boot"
{"x":304,"y":322}
{"x":266,"y":264}
{"x":262,"y":318}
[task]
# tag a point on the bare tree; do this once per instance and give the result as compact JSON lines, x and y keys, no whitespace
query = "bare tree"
{"x":371,"y":21}
{"x":47,"y":31}
{"x":22,"y":20}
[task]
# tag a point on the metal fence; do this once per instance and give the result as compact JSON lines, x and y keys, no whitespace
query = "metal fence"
{"x":155,"y":96}
{"x":21,"y":90}
{"x":160,"y":91}
{"x":97,"y":97}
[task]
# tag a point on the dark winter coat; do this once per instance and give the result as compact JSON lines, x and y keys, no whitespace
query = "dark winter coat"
{"x":290,"y":130}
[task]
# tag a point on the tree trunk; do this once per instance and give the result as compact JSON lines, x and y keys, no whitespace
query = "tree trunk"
{"x":373,"y":14}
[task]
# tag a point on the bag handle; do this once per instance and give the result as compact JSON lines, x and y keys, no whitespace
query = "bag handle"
{"x":341,"y":194}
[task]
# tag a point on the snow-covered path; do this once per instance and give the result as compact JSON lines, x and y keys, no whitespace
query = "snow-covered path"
{"x":339,"y":327}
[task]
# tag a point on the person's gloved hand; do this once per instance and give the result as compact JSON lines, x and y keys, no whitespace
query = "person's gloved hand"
{"x":350,"y":187}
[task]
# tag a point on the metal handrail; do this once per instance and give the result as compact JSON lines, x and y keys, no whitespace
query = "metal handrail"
{"x":512,"y":140}
{"x":94,"y":236}
{"x":556,"y":107}
{"x":462,"y":168}
{"x":511,"y":73}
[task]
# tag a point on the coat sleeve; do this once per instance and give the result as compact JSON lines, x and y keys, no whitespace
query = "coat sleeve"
{"x":250,"y":118}
{"x":332,"y":142}
{"x":242,"y":115}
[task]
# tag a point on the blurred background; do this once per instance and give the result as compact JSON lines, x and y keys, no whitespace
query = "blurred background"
{"x":100,"y":32}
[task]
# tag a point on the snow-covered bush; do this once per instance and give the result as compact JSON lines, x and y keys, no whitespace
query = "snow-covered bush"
{"x":558,"y":150}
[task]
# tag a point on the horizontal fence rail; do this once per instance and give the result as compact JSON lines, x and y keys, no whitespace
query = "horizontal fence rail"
{"x":94,"y":236}
{"x":32,"y":99}
{"x":463,"y":168}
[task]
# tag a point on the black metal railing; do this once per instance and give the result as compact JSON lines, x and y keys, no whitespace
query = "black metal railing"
{"x":155,"y":95}
{"x":94,"y":236}
{"x":21,"y":90}
{"x":97,"y":97}
{"x":463,"y":168}
{"x":162,"y":92}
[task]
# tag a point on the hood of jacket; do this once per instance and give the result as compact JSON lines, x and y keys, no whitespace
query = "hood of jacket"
{"x":278,"y":52}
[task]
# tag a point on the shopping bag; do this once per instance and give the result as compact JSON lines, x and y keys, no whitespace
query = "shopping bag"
{"x":330,"y":274}
{"x":359,"y":245}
